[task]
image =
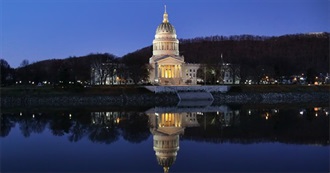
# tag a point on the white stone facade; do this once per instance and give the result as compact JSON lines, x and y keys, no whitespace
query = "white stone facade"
{"x":168,"y":67}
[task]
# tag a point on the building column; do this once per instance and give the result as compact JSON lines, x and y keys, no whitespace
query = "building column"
{"x":156,"y":71}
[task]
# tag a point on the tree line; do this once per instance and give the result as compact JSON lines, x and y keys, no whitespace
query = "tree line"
{"x":256,"y":56}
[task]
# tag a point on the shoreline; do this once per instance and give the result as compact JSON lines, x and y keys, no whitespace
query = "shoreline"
{"x":161,"y":99}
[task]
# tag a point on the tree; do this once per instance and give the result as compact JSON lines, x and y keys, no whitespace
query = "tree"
{"x":7,"y":73}
{"x":103,"y":66}
{"x":135,"y":128}
{"x":24,"y":63}
{"x":137,"y":66}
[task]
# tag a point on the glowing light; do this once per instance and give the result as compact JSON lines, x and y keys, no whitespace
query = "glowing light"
{"x":316,"y":114}
{"x":317,"y":109}
{"x":326,"y":113}
{"x":118,"y":120}
{"x":32,"y":115}
{"x":70,"y":116}
{"x":20,"y":113}
{"x":249,"y":112}
{"x":267,"y":116}
{"x":301,"y":112}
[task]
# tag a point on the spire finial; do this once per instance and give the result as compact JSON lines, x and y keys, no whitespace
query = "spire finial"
{"x":166,"y":169}
{"x":165,"y":16}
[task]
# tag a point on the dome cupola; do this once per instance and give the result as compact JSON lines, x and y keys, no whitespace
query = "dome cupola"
{"x":165,"y":42}
{"x":166,"y":26}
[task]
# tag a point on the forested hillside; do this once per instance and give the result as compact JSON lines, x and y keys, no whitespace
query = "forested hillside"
{"x":278,"y":56}
{"x":273,"y":56}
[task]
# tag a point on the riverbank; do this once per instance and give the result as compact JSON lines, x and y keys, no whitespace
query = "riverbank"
{"x":139,"y":96}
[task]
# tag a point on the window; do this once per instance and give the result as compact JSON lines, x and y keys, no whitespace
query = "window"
{"x":194,"y":70}
{"x":190,"y":70}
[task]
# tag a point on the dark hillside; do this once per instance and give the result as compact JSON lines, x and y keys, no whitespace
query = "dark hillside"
{"x":69,"y":69}
{"x":284,"y":55}
{"x":256,"y":55}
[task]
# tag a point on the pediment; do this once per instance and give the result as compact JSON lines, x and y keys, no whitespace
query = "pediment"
{"x":169,"y":60}
{"x":170,"y":130}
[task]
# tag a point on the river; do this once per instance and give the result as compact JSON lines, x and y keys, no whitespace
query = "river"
{"x":185,"y":138}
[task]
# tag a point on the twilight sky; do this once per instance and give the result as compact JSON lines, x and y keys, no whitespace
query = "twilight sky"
{"x":46,"y":29}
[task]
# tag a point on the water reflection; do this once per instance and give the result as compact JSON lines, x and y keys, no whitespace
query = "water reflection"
{"x":168,"y":125}
{"x":166,"y":128}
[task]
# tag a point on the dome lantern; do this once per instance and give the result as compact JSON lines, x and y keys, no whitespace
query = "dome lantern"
{"x":165,"y":16}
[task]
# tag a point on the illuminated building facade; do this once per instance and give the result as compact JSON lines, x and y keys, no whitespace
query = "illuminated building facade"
{"x":168,"y":67}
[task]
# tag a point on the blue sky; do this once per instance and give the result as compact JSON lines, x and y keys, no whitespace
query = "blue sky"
{"x":46,"y":29}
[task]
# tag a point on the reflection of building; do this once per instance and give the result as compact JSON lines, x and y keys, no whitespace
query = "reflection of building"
{"x":228,"y":117}
{"x":105,"y":118}
{"x":166,"y":128}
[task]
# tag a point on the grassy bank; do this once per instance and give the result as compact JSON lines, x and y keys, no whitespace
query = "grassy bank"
{"x":72,"y":90}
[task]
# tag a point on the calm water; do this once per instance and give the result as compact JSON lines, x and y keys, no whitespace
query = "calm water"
{"x":237,"y":138}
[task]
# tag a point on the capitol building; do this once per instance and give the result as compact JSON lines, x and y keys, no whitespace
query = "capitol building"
{"x":168,"y":66}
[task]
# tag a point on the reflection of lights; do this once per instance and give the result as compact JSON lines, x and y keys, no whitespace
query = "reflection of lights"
{"x":93,"y":122}
{"x":326,"y":113}
{"x":301,"y":112}
{"x":217,"y":112}
{"x":316,"y":114}
{"x":32,"y":115}
{"x":107,"y":127}
{"x":275,"y":110}
{"x":249,"y":112}
{"x":266,"y":117}
{"x":70,"y":116}
{"x":156,"y":114}
{"x":20,"y":113}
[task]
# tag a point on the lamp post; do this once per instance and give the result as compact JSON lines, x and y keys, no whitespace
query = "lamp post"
{"x":204,"y":75}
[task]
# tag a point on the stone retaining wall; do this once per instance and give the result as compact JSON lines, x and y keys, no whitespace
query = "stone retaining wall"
{"x":163,"y":99}
{"x":207,"y":88}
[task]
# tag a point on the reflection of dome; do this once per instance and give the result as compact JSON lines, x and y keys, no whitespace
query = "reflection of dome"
{"x":166,"y":162}
{"x":166,"y":148}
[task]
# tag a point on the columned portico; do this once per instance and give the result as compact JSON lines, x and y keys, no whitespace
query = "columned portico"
{"x":169,"y":71}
